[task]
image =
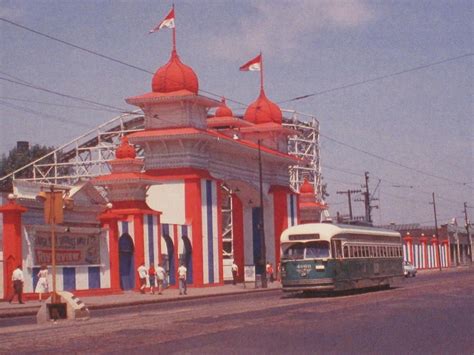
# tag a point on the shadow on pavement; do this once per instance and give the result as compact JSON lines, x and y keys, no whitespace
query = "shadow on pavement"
{"x":336,"y":294}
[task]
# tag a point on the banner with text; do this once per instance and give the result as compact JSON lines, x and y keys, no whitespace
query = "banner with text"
{"x":70,"y":249}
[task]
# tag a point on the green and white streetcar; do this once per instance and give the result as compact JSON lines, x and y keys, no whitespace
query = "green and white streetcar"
{"x":334,"y":257}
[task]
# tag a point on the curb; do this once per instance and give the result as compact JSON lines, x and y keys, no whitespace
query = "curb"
{"x":32,"y":312}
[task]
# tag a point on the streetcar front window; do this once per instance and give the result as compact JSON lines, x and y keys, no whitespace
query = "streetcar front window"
{"x":310,"y":250}
{"x":316,"y":250}
{"x":294,"y":251}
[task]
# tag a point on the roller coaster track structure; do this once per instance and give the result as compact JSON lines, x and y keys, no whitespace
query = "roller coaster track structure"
{"x":87,"y":156}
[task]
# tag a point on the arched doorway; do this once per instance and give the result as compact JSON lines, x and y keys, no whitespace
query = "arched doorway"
{"x":168,"y":259}
{"x":186,"y":258}
{"x":127,"y":262}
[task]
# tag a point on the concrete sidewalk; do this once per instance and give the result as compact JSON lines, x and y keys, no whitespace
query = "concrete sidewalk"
{"x":129,"y":298}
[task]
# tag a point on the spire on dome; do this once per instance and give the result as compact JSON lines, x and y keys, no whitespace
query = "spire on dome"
{"x":223,"y":110}
{"x":263,"y":110}
{"x":125,"y":150}
{"x":175,"y":76}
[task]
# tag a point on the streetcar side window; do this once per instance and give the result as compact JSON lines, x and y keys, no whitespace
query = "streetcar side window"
{"x":346,"y":251}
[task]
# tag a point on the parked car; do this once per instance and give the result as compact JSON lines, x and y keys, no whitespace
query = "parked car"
{"x":409,"y":269}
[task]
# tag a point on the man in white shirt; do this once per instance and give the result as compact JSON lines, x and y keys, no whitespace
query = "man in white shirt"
{"x":142,"y":275}
{"x":235,"y":272}
{"x":17,"y":278}
{"x":182,"y":271}
{"x":160,"y":274}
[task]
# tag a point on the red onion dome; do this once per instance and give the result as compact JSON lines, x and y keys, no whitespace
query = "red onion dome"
{"x":125,"y":150}
{"x":306,"y":187}
{"x":174,"y":76}
{"x":223,"y":110}
{"x":263,"y":111}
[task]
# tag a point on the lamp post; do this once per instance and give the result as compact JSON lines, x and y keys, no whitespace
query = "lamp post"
{"x":262,"y":224}
{"x":53,"y":201}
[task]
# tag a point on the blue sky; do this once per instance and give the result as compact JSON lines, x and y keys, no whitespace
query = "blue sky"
{"x":420,"y":119}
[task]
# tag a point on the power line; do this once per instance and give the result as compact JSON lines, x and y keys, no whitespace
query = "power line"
{"x":210,"y":93}
{"x":64,"y":95}
{"x":45,"y":115}
{"x":102,"y":55}
{"x":57,"y":105}
{"x":424,"y":66}
{"x":392,"y":161}
{"x":73,"y":45}
{"x":341,"y":170}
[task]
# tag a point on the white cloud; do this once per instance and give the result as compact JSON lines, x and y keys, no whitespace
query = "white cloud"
{"x":277,"y":27}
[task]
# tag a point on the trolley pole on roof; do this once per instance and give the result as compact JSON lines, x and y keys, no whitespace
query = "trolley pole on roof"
{"x":349,"y":199}
{"x":436,"y":231}
{"x":261,"y":226}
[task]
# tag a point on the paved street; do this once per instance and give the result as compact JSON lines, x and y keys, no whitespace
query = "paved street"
{"x":432,"y":313}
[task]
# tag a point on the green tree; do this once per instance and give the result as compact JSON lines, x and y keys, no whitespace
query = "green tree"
{"x":18,"y":158}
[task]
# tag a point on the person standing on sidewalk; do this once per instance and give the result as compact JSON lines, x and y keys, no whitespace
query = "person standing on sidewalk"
{"x":42,"y":285}
{"x":182,"y":271}
{"x":152,"y":278}
{"x":18,"y":280}
{"x":142,"y":274}
{"x":235,"y":272}
{"x":269,"y":270}
{"x":161,"y":275}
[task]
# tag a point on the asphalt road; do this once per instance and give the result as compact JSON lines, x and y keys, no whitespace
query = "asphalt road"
{"x":430,"y":314}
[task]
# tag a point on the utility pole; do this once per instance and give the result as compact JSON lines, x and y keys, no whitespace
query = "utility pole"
{"x":367,"y":200}
{"x":436,"y":231}
{"x":469,"y":239}
{"x":263,"y":256}
{"x":349,"y":192}
{"x":368,"y":209}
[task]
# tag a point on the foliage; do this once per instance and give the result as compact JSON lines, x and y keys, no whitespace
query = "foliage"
{"x":18,"y":158}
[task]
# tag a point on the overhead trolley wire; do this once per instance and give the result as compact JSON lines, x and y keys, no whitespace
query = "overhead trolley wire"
{"x":28,"y":110}
{"x":392,"y":161}
{"x":57,"y":105}
{"x":424,"y":66}
{"x":235,"y":101}
{"x":102,"y":55}
{"x":117,"y":109}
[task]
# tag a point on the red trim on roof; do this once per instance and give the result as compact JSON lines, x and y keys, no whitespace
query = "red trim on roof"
{"x":178,"y":174}
{"x":227,"y":121}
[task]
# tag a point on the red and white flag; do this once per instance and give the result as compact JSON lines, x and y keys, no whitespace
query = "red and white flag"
{"x":253,"y":65}
{"x":168,"y":22}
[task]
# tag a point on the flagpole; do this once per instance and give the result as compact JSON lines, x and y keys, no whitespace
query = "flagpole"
{"x":174,"y":34}
{"x":261,"y":71}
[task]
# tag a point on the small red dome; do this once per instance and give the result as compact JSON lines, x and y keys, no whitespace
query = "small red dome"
{"x":263,"y":111}
{"x":223,"y":110}
{"x":306,"y":187}
{"x":125,"y":150}
{"x":174,"y":76}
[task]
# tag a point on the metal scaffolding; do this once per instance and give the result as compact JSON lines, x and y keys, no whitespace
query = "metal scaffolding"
{"x":305,"y":145}
{"x":86,"y":156}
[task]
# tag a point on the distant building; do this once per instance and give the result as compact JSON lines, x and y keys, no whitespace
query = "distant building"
{"x":420,"y":245}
